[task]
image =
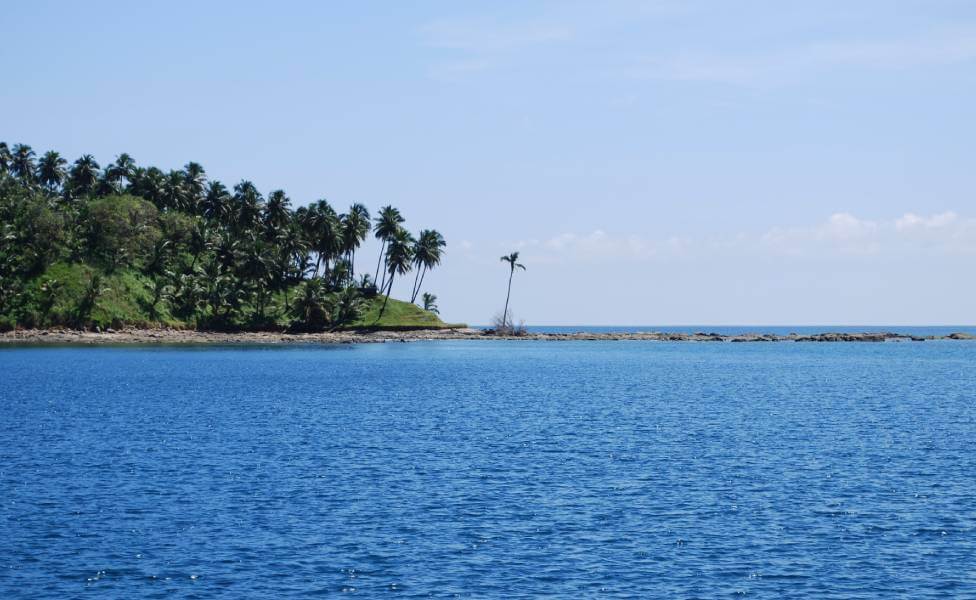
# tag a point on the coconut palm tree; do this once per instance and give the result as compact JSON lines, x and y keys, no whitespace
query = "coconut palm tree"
{"x":355,"y":227}
{"x":194,"y":182}
{"x":120,"y":172}
{"x":200,"y":241}
{"x":345,"y":306}
{"x":321,"y":226}
{"x":227,"y":249}
{"x":276,"y":213}
{"x":512,"y":260}
{"x":149,"y":184}
{"x":430,"y":303}
{"x":51,"y":170}
{"x":399,"y":258}
{"x":175,"y":195}
{"x":246,"y":211}
{"x":84,"y":175}
{"x":427,"y":254}
{"x":89,"y":297}
{"x":158,"y":259}
{"x":291,"y":259}
{"x":216,"y":203}
{"x":22,"y":163}
{"x":387,"y":224}
{"x":339,"y":277}
{"x":309,"y":308}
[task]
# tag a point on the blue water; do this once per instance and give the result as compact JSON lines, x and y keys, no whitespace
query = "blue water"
{"x":917,"y":330}
{"x":490,"y":469}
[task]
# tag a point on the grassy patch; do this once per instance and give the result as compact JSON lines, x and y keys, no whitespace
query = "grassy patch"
{"x":57,"y":299}
{"x":399,"y":315}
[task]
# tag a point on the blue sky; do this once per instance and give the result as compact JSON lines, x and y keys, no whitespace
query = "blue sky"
{"x":660,"y":162}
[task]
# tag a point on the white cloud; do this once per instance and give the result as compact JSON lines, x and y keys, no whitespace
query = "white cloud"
{"x":911,"y":221}
{"x":840,"y":235}
{"x":845,"y":234}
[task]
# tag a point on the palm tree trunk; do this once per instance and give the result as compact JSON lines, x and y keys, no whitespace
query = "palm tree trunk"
{"x":507,"y":296}
{"x":385,"y":266}
{"x":413,"y":291}
{"x":387,"y":299}
{"x":421,"y":284}
{"x":379,"y":259}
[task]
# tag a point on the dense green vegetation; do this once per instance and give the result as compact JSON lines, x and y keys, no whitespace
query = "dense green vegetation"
{"x":124,"y":245}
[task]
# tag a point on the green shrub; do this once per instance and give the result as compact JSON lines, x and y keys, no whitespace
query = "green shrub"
{"x":121,"y":229}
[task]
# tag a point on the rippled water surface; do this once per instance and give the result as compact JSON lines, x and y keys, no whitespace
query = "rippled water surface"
{"x":490,"y":469}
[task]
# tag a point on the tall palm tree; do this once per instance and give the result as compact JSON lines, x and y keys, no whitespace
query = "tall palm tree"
{"x":84,"y":175}
{"x":120,"y":172}
{"x":276,"y":213}
{"x":51,"y":170}
{"x":355,"y":227}
{"x":321,"y":225}
{"x":194,"y":181}
{"x":399,"y":258}
{"x":22,"y":163}
{"x":292,"y":257}
{"x":427,"y":254}
{"x":512,"y":260}
{"x":175,"y":195}
{"x":246,"y":212}
{"x":216,"y":203}
{"x":387,"y":224}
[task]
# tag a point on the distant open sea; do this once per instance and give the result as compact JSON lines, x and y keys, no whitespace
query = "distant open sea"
{"x":490,"y":469}
{"x":916,"y":330}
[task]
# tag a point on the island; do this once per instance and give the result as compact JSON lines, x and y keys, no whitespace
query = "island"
{"x":93,"y":248}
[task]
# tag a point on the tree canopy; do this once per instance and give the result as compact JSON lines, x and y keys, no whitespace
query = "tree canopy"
{"x":84,"y":245}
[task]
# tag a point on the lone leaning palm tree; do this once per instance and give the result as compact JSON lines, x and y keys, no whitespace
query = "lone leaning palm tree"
{"x":513,"y":263}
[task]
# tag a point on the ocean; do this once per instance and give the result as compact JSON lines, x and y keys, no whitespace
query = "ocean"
{"x":490,"y":469}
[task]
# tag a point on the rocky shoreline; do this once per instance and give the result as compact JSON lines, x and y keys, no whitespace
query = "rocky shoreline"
{"x":178,"y":336}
